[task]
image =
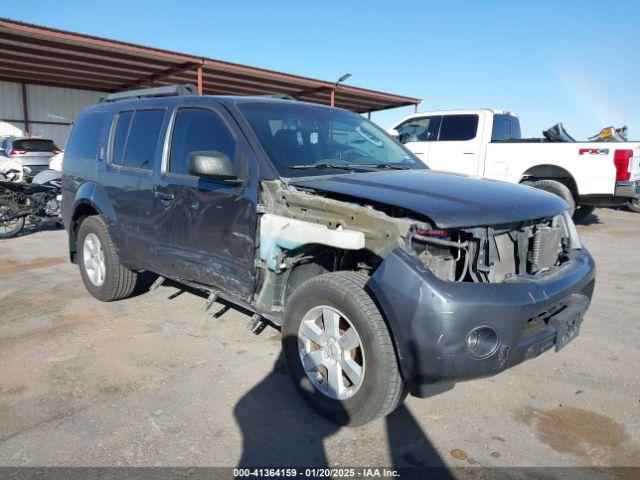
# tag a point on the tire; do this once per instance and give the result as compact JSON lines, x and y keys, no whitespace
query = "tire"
{"x":14,"y":227}
{"x":559,"y":189}
{"x":380,"y":388}
{"x":117,"y":282}
{"x":582,"y":212}
{"x":634,"y":205}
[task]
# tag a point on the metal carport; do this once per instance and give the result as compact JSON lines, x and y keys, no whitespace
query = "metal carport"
{"x":33,"y":54}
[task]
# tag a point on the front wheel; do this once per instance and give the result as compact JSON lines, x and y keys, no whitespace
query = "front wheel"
{"x":339,"y":351}
{"x":9,"y":227}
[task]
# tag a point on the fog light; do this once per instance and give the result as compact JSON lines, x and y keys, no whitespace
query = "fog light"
{"x":482,"y":341}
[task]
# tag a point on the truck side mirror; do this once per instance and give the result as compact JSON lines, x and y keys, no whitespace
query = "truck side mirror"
{"x":212,"y":165}
{"x":394,"y":133}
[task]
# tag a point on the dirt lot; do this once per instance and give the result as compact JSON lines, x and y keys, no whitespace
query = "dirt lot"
{"x":154,"y":381}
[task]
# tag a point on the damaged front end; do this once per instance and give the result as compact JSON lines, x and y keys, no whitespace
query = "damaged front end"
{"x":496,"y":253}
{"x":460,"y":302}
{"x":333,"y":232}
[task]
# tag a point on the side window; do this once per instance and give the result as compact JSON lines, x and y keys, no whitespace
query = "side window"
{"x":85,"y":136}
{"x":501,"y":128}
{"x":121,"y":132}
{"x":140,"y":148}
{"x":198,"y":130}
{"x":423,"y":129}
{"x":458,"y":127}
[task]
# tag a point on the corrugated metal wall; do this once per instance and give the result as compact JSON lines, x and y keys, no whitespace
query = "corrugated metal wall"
{"x":11,"y":108}
{"x":46,"y":104}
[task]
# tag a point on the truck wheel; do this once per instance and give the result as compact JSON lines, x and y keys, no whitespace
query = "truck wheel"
{"x":634,"y":205}
{"x":582,"y":212}
{"x":103,"y":275}
{"x":9,"y":228}
{"x":338,"y":350}
{"x":559,"y":189}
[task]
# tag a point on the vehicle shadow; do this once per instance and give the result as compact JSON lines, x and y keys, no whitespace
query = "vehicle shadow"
{"x":30,"y":229}
{"x":591,"y":219}
{"x":279,"y":429}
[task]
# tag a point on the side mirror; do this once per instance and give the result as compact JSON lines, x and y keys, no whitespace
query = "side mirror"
{"x":394,"y":133}
{"x":212,"y":165}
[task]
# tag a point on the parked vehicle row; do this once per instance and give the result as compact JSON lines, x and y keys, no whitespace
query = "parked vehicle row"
{"x":384,"y":276}
{"x":488,"y":143}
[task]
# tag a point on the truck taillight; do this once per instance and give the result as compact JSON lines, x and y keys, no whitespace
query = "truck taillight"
{"x":621,"y":159}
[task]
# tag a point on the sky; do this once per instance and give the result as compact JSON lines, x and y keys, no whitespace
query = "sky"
{"x":576,"y":62}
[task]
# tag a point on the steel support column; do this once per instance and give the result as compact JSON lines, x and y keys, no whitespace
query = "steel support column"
{"x":333,"y":97}
{"x":200,"y":78}
{"x":25,"y":108}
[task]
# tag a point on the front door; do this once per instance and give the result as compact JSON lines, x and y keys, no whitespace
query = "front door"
{"x":205,"y":230}
{"x":417,"y":134}
{"x":459,"y":145}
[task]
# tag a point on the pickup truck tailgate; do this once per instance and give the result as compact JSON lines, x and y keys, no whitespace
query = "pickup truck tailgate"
{"x":634,"y":166}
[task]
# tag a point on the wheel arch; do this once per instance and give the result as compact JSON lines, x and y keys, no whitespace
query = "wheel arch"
{"x":551,"y":172}
{"x":90,"y":200}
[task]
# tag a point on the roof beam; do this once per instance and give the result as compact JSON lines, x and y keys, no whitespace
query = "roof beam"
{"x":165,"y":74}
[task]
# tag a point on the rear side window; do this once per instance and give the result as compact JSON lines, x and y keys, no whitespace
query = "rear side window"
{"x":458,"y":127}
{"x":505,"y":127}
{"x":35,"y":145}
{"x":85,"y":136}
{"x":198,"y":130}
{"x":143,"y":138}
{"x":123,"y":123}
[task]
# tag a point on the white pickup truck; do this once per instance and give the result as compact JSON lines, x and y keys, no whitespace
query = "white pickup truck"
{"x":488,"y":143}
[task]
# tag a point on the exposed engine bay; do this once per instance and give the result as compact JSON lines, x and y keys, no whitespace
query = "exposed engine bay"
{"x":301,"y":227}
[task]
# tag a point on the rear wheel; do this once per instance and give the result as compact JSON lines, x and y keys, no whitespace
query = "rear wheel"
{"x":634,"y":205}
{"x":103,"y":275}
{"x":582,"y":212}
{"x":9,"y":227}
{"x":559,"y":189}
{"x":338,"y":350}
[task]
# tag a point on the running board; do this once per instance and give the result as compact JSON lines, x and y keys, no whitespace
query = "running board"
{"x":159,"y":281}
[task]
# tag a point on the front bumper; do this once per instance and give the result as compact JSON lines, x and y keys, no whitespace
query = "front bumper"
{"x":430,"y":318}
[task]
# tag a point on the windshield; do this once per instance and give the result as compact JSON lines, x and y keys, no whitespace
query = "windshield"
{"x":304,"y":139}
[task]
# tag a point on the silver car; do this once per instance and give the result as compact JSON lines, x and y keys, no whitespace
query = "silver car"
{"x":34,"y":153}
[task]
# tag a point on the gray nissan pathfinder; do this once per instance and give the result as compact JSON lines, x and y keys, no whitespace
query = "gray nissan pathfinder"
{"x":384,"y":277}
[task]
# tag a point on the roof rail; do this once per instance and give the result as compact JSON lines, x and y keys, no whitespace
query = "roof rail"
{"x":168,"y":91}
{"x":281,"y":96}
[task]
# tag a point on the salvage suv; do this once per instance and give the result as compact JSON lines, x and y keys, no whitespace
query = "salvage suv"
{"x":384,"y":277}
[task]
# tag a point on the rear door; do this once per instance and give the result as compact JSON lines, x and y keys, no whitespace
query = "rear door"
{"x":459,"y":144}
{"x":205,"y":230}
{"x":128,"y":180}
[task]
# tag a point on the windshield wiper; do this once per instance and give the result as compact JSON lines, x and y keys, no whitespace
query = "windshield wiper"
{"x":387,"y":166}
{"x":322,"y":166}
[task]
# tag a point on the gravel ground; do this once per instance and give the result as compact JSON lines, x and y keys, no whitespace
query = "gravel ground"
{"x":153,"y":381}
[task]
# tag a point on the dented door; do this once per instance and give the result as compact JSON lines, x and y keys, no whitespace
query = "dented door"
{"x":205,"y":230}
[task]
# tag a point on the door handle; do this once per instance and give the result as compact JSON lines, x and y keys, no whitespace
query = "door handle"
{"x":469,"y":153}
{"x":162,"y":196}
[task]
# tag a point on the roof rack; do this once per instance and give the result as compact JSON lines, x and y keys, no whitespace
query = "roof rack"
{"x":169,"y":91}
